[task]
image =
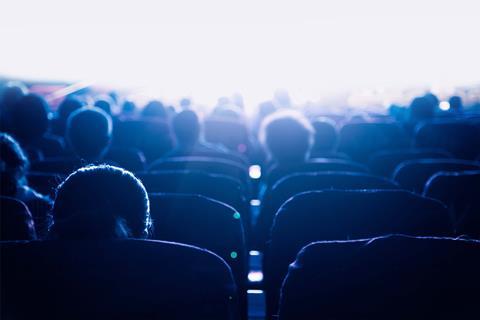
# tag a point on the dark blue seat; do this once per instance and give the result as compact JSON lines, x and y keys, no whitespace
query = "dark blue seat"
{"x":205,"y":223}
{"x":114,"y":279}
{"x":461,"y":138}
{"x":383,"y":163}
{"x":361,"y":140}
{"x":460,"y":191}
{"x":338,"y":215}
{"x":413,"y":174}
{"x":16,"y":222}
{"x":301,"y":182}
{"x":392,"y":277}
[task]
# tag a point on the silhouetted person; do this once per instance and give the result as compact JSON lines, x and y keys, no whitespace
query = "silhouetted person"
{"x":154,"y":109}
{"x":30,"y":123}
{"x":128,"y":108}
{"x":89,"y":133}
{"x":288,"y":138}
{"x":9,"y":96}
{"x":325,"y":137}
{"x":104,"y":104}
{"x":101,"y":202}
{"x":421,"y":109}
{"x":187,"y":129}
{"x":65,"y":109}
{"x":456,"y":104}
{"x":13,"y":181}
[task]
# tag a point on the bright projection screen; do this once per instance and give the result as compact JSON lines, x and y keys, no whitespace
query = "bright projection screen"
{"x":210,"y":48}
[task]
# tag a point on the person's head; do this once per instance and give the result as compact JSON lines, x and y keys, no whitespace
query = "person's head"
{"x":101,"y":202}
{"x":29,"y":118}
{"x":186,"y":127}
{"x":422,"y":108}
{"x":12,"y":93}
{"x":287,"y":136}
{"x":89,"y":132}
{"x":105,"y":104}
{"x":13,"y":165}
{"x":154,"y":109}
{"x":64,"y":110}
{"x":456,"y":104}
{"x":325,"y":134}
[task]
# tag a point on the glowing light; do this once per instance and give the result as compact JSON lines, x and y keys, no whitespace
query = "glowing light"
{"x":233,"y":255}
{"x":255,"y":172}
{"x":255,"y":202}
{"x":255,"y":276}
{"x":254,"y":291}
{"x":254,"y":253}
{"x":236,"y":215}
{"x":444,"y":105}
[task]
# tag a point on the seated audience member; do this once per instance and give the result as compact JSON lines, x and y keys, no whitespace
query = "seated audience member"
{"x":155,"y":109}
{"x":65,"y":109}
{"x":421,"y":109}
{"x":325,"y":137}
{"x":13,"y":168}
{"x":89,"y":133}
{"x":100,"y":202}
{"x":456,"y":104}
{"x":105,"y":104}
{"x":187,"y":129}
{"x":288,"y":138}
{"x":29,"y":125}
{"x":10,"y":94}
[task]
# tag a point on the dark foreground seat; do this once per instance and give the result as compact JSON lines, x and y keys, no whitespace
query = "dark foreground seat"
{"x":337,"y":215}
{"x":301,"y":182}
{"x":16,"y":222}
{"x":117,"y":279}
{"x":414,"y":174}
{"x":392,"y":277}
{"x":460,"y":191}
{"x":205,"y":223}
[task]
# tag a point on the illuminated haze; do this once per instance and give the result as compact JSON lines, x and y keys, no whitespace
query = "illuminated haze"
{"x":206,"y":49}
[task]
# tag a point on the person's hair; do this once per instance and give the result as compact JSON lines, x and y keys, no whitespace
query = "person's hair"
{"x":154,"y":109}
{"x":13,"y":165}
{"x":101,"y":202}
{"x":325,"y":134}
{"x":456,"y":103}
{"x":186,"y":127}
{"x":287,"y":136}
{"x":67,"y":107}
{"x":104,"y":104}
{"x":89,"y":132}
{"x":422,"y":108}
{"x":29,"y":117}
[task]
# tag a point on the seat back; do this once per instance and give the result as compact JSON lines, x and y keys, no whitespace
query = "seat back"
{"x":337,"y":215}
{"x":276,"y":173}
{"x":413,"y":174}
{"x":460,"y":191}
{"x":205,"y":223}
{"x":131,"y":159}
{"x":16,"y":222}
{"x":114,"y":279}
{"x":361,"y":140}
{"x":218,"y":187}
{"x":392,"y":277}
{"x":206,"y":164}
{"x":383,"y":163}
{"x":460,"y":138}
{"x":301,"y":182}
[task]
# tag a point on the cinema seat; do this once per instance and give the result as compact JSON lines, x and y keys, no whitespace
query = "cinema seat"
{"x":114,"y":279}
{"x":460,"y":191}
{"x":301,"y":182}
{"x":413,"y":174}
{"x":205,"y":223}
{"x":16,"y":222}
{"x":383,"y":163}
{"x":341,"y":215}
{"x":391,"y":277}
